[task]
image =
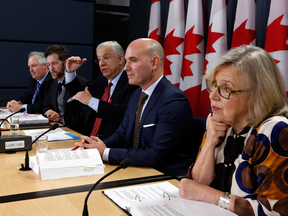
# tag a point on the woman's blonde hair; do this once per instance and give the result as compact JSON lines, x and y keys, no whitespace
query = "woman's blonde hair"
{"x":266,"y":86}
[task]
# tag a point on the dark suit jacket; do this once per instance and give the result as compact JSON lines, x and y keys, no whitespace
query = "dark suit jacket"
{"x":111,"y":113}
{"x":165,"y":132}
{"x":42,"y":97}
{"x":73,"y":110}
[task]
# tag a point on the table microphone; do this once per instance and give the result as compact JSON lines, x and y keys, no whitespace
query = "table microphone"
{"x":123,"y":164}
{"x":26,"y":167}
{"x":21,"y":110}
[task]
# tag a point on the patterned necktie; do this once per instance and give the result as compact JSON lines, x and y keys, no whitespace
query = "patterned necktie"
{"x":141,"y":103}
{"x":36,"y":92}
{"x":98,"y":120}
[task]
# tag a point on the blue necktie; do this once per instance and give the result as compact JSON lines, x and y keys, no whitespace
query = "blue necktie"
{"x":36,"y":92}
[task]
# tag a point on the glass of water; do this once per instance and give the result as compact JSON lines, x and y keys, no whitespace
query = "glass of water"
{"x":14,"y":125}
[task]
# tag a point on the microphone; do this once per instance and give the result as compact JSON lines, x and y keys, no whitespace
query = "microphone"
{"x":21,"y":110}
{"x":26,"y":167}
{"x":123,"y":164}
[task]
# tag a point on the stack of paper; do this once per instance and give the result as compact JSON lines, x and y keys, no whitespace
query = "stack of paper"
{"x":25,"y":118}
{"x":64,"y":163}
{"x":32,"y":119}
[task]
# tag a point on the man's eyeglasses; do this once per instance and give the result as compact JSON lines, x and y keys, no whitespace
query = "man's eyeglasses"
{"x":105,"y":59}
{"x":224,"y":92}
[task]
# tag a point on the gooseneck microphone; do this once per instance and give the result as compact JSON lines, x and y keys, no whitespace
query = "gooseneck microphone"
{"x":123,"y":164}
{"x":26,"y":167}
{"x":21,"y":110}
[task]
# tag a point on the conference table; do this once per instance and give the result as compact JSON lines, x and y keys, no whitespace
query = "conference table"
{"x":24,"y":193}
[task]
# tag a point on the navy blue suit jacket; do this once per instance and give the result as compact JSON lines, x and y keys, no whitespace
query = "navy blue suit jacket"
{"x":42,"y":97}
{"x":165,"y":132}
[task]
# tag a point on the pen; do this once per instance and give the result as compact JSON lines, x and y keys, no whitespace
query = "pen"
{"x":76,"y":147}
{"x":221,"y":139}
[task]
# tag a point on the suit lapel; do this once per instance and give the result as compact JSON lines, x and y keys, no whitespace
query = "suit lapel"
{"x":153,"y":99}
{"x":119,"y":87}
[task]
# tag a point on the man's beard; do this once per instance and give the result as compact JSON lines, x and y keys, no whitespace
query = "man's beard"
{"x":59,"y":74}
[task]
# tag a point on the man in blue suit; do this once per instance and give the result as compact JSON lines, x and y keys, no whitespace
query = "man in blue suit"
{"x":38,"y":88}
{"x":163,"y":139}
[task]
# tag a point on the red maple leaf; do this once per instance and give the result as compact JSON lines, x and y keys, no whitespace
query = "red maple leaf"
{"x":276,"y":36}
{"x":170,"y":45}
{"x":212,"y":38}
{"x":190,"y":47}
{"x":155,"y":36}
{"x":241,"y":35}
{"x":205,"y":66}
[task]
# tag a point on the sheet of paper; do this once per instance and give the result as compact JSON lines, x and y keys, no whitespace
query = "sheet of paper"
{"x":54,"y":135}
{"x":160,"y":199}
{"x":123,"y":197}
{"x":176,"y":207}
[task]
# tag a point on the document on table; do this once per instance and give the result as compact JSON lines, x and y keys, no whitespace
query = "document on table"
{"x":54,"y":135}
{"x":64,"y":163}
{"x":4,"y":113}
{"x":160,"y":199}
{"x":25,"y":118}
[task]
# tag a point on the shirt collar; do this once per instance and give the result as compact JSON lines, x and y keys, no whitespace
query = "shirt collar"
{"x":116,"y":79}
{"x":42,"y":80}
{"x":151,"y":88}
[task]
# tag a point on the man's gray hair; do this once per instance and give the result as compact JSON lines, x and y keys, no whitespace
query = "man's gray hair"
{"x":40,"y":57}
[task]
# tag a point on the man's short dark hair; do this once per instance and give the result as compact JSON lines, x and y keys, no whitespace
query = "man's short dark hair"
{"x":61,"y":50}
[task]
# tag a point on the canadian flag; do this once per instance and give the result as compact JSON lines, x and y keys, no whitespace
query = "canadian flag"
{"x":193,"y":55}
{"x":244,"y":25}
{"x":155,"y":25}
{"x":173,"y":46}
{"x":277,"y":36}
{"x":216,"y":46}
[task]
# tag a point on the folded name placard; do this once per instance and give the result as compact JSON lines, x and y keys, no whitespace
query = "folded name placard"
{"x":64,"y":163}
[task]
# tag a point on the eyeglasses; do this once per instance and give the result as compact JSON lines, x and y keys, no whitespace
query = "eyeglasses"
{"x":224,"y":92}
{"x":105,"y":59}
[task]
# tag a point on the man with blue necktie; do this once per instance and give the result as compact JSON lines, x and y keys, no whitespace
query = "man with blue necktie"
{"x":37,"y":93}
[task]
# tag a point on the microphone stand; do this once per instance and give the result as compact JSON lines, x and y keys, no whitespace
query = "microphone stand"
{"x":21,"y":110}
{"x":26,"y":167}
{"x":123,"y":164}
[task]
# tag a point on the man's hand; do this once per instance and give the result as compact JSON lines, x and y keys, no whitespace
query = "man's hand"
{"x":52,"y":115}
{"x":14,"y":106}
{"x":91,"y":142}
{"x":83,"y":96}
{"x":73,"y":63}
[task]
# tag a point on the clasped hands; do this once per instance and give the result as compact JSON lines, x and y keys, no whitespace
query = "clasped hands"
{"x":14,"y":106}
{"x":91,"y":142}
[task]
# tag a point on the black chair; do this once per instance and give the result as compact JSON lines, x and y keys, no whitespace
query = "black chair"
{"x":199,"y":128}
